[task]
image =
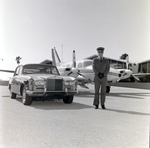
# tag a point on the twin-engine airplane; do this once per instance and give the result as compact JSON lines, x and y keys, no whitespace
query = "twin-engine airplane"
{"x":83,"y":71}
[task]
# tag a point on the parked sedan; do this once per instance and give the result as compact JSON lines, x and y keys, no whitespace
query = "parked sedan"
{"x":41,"y":82}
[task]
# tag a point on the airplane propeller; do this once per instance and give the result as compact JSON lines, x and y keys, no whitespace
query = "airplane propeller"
{"x":136,"y":78}
{"x":74,"y":59}
{"x":75,"y":70}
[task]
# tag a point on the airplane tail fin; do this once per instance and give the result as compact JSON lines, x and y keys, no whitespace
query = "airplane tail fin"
{"x":125,"y":57}
{"x":55,"y":57}
{"x":127,"y":62}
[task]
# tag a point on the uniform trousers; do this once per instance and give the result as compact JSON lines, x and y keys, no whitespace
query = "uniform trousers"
{"x":100,"y":83}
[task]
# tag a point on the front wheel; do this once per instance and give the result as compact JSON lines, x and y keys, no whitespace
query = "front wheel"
{"x":26,"y":100}
{"x":12,"y":95}
{"x":68,"y":99}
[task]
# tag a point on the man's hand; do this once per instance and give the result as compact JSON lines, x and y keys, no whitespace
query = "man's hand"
{"x":101,"y":75}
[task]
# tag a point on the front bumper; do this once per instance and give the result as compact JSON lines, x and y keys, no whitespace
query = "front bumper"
{"x":49,"y":93}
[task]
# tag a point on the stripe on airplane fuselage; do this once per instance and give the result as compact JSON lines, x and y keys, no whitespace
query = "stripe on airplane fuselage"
{"x":112,"y":73}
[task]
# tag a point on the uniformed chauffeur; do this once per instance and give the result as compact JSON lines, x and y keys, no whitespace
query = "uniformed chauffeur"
{"x":101,"y":68}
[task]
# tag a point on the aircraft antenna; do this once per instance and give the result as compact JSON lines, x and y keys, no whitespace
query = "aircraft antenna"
{"x":62,"y":52}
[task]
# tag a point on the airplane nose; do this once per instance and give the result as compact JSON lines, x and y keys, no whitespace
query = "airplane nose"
{"x":129,"y":72}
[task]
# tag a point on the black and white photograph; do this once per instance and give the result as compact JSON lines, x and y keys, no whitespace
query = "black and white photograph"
{"x":74,"y":73}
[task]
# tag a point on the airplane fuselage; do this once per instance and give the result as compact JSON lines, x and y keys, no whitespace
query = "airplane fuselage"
{"x":85,"y":68}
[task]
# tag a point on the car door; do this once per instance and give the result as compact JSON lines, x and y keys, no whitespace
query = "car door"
{"x":15,"y":84}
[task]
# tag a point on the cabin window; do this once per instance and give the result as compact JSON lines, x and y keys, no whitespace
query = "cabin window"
{"x":144,"y":67}
{"x":68,"y":65}
{"x":80,"y":65}
{"x":117,"y":64}
{"x":148,"y":67}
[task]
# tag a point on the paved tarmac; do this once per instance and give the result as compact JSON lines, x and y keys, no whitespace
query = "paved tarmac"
{"x":125,"y":123}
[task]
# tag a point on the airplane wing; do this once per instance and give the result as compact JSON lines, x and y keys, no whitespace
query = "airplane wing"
{"x":10,"y":71}
{"x":92,"y":57}
{"x":141,"y":74}
{"x":137,"y":76}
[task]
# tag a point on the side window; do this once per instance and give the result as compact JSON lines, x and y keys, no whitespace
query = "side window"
{"x":54,"y":71}
{"x":17,"y":71}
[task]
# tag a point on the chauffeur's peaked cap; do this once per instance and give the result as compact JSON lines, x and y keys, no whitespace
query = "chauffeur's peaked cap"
{"x":100,"y":49}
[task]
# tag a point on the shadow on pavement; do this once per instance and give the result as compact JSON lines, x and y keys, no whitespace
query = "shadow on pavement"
{"x":120,"y":95}
{"x":129,"y":112}
{"x":56,"y":105}
{"x":128,"y":95}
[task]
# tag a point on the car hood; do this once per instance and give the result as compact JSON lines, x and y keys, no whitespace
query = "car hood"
{"x":50,"y":76}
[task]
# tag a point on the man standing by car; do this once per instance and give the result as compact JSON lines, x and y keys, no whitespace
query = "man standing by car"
{"x":101,"y":68}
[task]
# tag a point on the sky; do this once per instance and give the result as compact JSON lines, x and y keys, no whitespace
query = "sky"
{"x":31,"y":28}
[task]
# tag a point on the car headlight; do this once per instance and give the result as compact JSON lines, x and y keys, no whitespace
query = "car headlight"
{"x":70,"y":83}
{"x":39,"y":83}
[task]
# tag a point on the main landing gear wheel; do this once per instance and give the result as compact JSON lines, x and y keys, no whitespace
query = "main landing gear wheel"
{"x":107,"y":89}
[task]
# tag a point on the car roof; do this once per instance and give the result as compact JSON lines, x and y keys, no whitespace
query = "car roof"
{"x":40,"y":65}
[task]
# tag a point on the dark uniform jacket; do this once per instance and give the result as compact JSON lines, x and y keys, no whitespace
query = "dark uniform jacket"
{"x":101,"y":66}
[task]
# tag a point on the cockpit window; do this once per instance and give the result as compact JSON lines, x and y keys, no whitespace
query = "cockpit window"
{"x":40,"y":69}
{"x":87,"y":63}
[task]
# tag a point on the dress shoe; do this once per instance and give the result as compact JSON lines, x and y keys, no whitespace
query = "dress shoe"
{"x":96,"y":106}
{"x":103,"y":107}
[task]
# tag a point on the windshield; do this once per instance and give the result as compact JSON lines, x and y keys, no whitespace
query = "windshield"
{"x":87,"y":63}
{"x":40,"y":69}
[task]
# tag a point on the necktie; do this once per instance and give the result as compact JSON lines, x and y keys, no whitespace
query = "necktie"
{"x":101,"y":59}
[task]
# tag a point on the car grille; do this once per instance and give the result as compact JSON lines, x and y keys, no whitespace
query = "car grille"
{"x":54,"y":84}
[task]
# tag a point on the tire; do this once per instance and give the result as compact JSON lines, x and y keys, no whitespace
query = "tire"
{"x":68,"y":99}
{"x":12,"y":95}
{"x":107,"y":89}
{"x":26,"y":100}
{"x":132,"y":79}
